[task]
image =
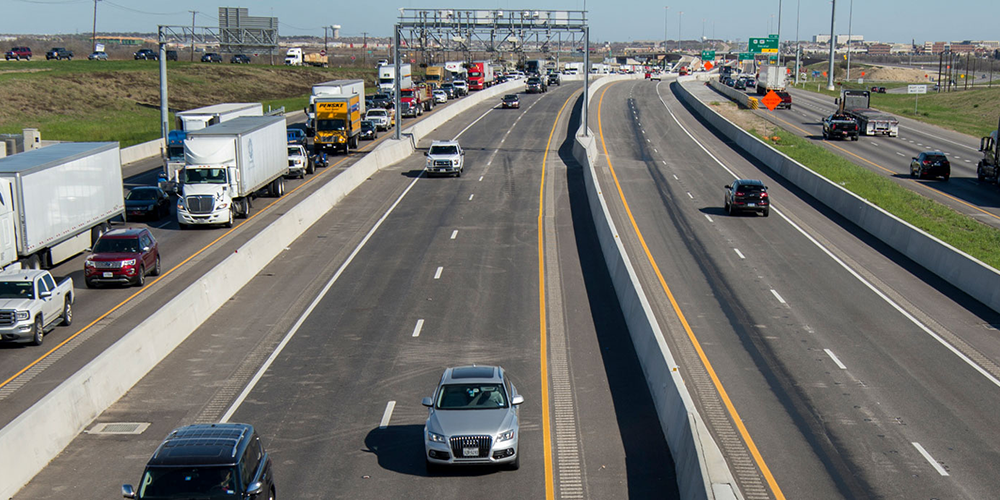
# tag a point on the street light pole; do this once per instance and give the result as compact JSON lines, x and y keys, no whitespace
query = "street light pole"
{"x":680,"y":16}
{"x":833,"y":45}
{"x":779,"y":32}
{"x":666,"y":10}
{"x":850,"y":22}
{"x":798,"y":6}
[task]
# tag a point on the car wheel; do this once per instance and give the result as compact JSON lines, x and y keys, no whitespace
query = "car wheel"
{"x":516,"y":464}
{"x":140,"y":279}
{"x":767,"y":211}
{"x":38,"y":332}
{"x":946,"y":177}
{"x":913,"y":174}
{"x":90,"y":283}
{"x":310,"y":167}
{"x":854,"y":138}
{"x":156,"y":267}
{"x":729,"y":208}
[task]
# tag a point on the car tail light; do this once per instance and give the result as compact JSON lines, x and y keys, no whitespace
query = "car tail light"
{"x":740,"y":193}
{"x":763,"y":195}
{"x":926,"y":162}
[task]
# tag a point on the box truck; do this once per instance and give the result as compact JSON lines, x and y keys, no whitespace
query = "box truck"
{"x":387,"y":78}
{"x":331,"y":89}
{"x":436,"y":75}
{"x":227,"y":165}
{"x":57,"y":201}
{"x":197,"y":119}
{"x":334,"y":114}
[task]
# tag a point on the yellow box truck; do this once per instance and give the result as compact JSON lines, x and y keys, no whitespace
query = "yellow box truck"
{"x":338,"y":123}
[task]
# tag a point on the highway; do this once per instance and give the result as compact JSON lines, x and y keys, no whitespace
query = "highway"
{"x":404,"y":277}
{"x":102,"y":316}
{"x":890,"y":156}
{"x":849,"y":369}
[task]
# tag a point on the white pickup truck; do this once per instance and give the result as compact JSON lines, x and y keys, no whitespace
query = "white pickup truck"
{"x":31,"y":304}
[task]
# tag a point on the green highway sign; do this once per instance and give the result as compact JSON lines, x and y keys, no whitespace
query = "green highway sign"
{"x":708,"y":55}
{"x":773,"y":36}
{"x":746,"y":56}
{"x":764,"y":45}
{"x":772,"y":59}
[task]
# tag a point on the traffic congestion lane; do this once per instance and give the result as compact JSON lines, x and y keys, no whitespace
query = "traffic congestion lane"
{"x":891,"y":156}
{"x":767,"y":304}
{"x":102,"y":316}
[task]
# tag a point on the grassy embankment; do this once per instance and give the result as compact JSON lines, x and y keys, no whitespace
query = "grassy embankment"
{"x":959,"y":230}
{"x":119,"y":100}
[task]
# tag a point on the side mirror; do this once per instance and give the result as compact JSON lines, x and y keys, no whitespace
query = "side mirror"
{"x":426,"y":153}
{"x":727,"y":186}
{"x":836,"y":100}
{"x":128,"y":491}
{"x":428,"y":402}
{"x":516,"y":400}
{"x":255,"y":488}
{"x":45,"y":295}
{"x":914,"y":158}
{"x":145,"y":249}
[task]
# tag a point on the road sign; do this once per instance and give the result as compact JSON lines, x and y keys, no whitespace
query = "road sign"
{"x":708,"y":65}
{"x":916,"y":89}
{"x":746,"y":56}
{"x":708,"y":55}
{"x":322,"y":53}
{"x":861,"y":81}
{"x":771,"y":100}
{"x":773,"y":35}
{"x":764,"y":45}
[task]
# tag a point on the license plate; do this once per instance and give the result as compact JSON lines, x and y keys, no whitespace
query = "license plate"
{"x":470,"y":452}
{"x":108,"y":275}
{"x":751,"y":204}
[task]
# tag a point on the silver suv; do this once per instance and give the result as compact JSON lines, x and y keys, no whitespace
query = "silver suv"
{"x":472,"y":419}
{"x":445,"y":157}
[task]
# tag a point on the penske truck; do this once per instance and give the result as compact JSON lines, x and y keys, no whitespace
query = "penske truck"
{"x":334,"y":115}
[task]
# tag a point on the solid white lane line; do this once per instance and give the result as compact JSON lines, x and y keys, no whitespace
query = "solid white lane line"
{"x":454,"y":234}
{"x":473,"y":123}
{"x":775,"y":293}
{"x":387,"y":414}
{"x":835,"y":358}
{"x":416,"y":329}
{"x":470,"y":197}
{"x":437,"y":274}
{"x":709,"y":217}
{"x":982,"y":371}
{"x":305,"y":314}
{"x":738,"y":252}
{"x":930,"y":459}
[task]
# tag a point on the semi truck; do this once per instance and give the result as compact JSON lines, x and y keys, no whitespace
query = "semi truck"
{"x":436,"y":75}
{"x":334,"y":115}
{"x":857,"y":104}
{"x":480,"y":75}
{"x":57,"y":201}
{"x":387,"y":78}
{"x":457,"y":70}
{"x":298,"y":57}
{"x":771,"y":78}
{"x":989,"y":165}
{"x":197,"y":119}
{"x":227,"y":165}
{"x":420,"y":96}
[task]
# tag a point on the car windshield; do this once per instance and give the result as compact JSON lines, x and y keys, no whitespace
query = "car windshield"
{"x":330,"y":124}
{"x":534,"y":79}
{"x":367,"y":125}
{"x":750,"y":188}
{"x":117,"y":245}
{"x":141,"y":195}
{"x":204,"y":176}
{"x":443,"y":150}
{"x":209,"y":483}
{"x":376,"y":112}
{"x":16,"y":290}
{"x":471,"y":397}
{"x":935,"y":158}
{"x":510,"y":97}
{"x":294,"y":152}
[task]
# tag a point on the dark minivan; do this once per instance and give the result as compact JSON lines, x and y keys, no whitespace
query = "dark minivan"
{"x":207,"y":461}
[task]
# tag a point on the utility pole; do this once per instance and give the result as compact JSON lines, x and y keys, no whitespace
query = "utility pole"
{"x":680,"y":17}
{"x":798,"y":7}
{"x":93,"y":36}
{"x":833,"y":45}
{"x":364,"y":48}
{"x":666,"y":10}
{"x":850,"y":33}
{"x":779,"y":32}
{"x":193,"y":14}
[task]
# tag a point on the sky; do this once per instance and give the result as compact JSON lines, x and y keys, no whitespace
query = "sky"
{"x":610,"y":20}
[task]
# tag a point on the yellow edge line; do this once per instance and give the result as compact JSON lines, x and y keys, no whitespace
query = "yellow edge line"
{"x":893,"y":172}
{"x":543,"y":345}
{"x":775,"y":489}
{"x":185,"y":261}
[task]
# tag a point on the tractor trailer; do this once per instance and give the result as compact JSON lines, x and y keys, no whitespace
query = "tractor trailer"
{"x":857,"y":105}
{"x":197,"y":119}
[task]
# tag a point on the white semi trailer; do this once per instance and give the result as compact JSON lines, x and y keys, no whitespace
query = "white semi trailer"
{"x":227,"y":165}
{"x":56,"y":201}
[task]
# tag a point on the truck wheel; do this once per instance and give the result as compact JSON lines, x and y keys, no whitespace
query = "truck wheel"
{"x":38,"y":332}
{"x":67,"y":315}
{"x":182,"y":226}
{"x":310,"y":167}
{"x":279,"y":187}
{"x":229,"y":223}
{"x":979,"y":172}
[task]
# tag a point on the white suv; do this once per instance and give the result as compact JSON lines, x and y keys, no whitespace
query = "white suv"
{"x":445,"y":157}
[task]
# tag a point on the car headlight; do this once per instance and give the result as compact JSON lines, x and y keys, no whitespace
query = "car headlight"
{"x":22,"y":315}
{"x":506,"y":436}
{"x":88,"y":263}
{"x":180,"y":203}
{"x":435,"y":437}
{"x":126,"y":263}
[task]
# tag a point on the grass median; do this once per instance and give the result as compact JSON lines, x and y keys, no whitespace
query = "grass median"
{"x":958,"y":230}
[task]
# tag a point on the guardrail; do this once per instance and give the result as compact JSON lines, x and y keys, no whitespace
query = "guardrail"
{"x":36,"y":436}
{"x":958,"y":268}
{"x":702,"y":472}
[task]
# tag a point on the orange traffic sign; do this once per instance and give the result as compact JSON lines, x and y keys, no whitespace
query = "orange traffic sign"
{"x":709,"y":65}
{"x":771,"y":100}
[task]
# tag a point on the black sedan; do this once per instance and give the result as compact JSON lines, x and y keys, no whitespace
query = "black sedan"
{"x":511,"y":101}
{"x":368,"y":130}
{"x":211,"y":57}
{"x":147,"y":201}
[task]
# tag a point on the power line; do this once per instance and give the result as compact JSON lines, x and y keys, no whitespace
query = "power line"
{"x":137,"y":11}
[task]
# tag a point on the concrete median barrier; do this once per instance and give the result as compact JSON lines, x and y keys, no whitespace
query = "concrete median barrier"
{"x":142,"y":151}
{"x":958,"y":268}
{"x":701,"y":469}
{"x":36,"y":436}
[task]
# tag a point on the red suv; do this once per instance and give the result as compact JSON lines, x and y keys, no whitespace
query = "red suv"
{"x":123,"y":256}
{"x":18,"y":53}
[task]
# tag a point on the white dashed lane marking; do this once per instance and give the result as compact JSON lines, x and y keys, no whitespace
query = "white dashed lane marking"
{"x":454,"y":234}
{"x":437,"y":274}
{"x":930,"y":459}
{"x":775,"y":293}
{"x":738,"y":252}
{"x":387,"y":414}
{"x":416,"y":329}
{"x":835,"y":359}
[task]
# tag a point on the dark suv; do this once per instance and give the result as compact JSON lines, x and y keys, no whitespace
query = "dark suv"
{"x":18,"y":53}
{"x":210,"y":461}
{"x":146,"y":55}
{"x":239,"y":59}
{"x":930,"y":164}
{"x":747,"y":195}
{"x":59,"y":53}
{"x":123,"y":256}
{"x":211,"y":57}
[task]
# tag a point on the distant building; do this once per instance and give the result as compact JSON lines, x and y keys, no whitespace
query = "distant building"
{"x":841,"y":39}
{"x":879,"y":49}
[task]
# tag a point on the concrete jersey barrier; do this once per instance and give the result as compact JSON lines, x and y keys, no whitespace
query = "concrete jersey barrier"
{"x":701,"y":469}
{"x":958,"y":268}
{"x":36,"y":436}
